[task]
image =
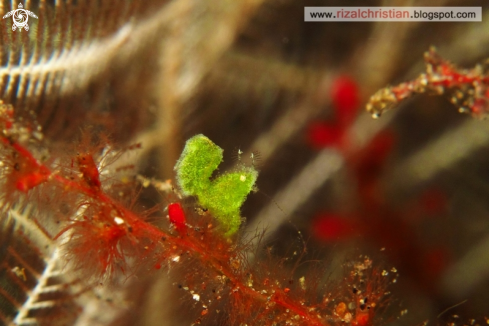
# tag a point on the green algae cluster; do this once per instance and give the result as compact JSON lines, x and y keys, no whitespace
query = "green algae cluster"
{"x":222,"y":196}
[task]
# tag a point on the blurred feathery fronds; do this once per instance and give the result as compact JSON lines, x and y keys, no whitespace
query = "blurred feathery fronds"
{"x":248,"y":74}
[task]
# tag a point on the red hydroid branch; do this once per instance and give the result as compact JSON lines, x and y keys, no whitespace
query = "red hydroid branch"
{"x":102,"y":235}
{"x":467,"y":88}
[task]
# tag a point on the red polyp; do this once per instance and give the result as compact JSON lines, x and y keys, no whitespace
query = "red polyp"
{"x":345,"y":99}
{"x":29,"y":181}
{"x":362,"y":319}
{"x":332,"y":227}
{"x":89,"y":170}
{"x":177,"y":217}
{"x":480,"y":107}
{"x":113,"y":233}
{"x":322,"y":135}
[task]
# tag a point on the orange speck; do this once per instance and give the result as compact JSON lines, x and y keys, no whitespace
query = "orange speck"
{"x":340,"y":309}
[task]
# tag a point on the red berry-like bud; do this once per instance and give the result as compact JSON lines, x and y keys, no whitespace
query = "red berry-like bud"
{"x":177,"y":217}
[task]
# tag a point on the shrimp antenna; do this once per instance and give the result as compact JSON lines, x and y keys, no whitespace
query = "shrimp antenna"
{"x":236,"y":156}
{"x":255,"y":158}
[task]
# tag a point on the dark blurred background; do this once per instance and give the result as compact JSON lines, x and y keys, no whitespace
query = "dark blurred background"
{"x":410,"y":189}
